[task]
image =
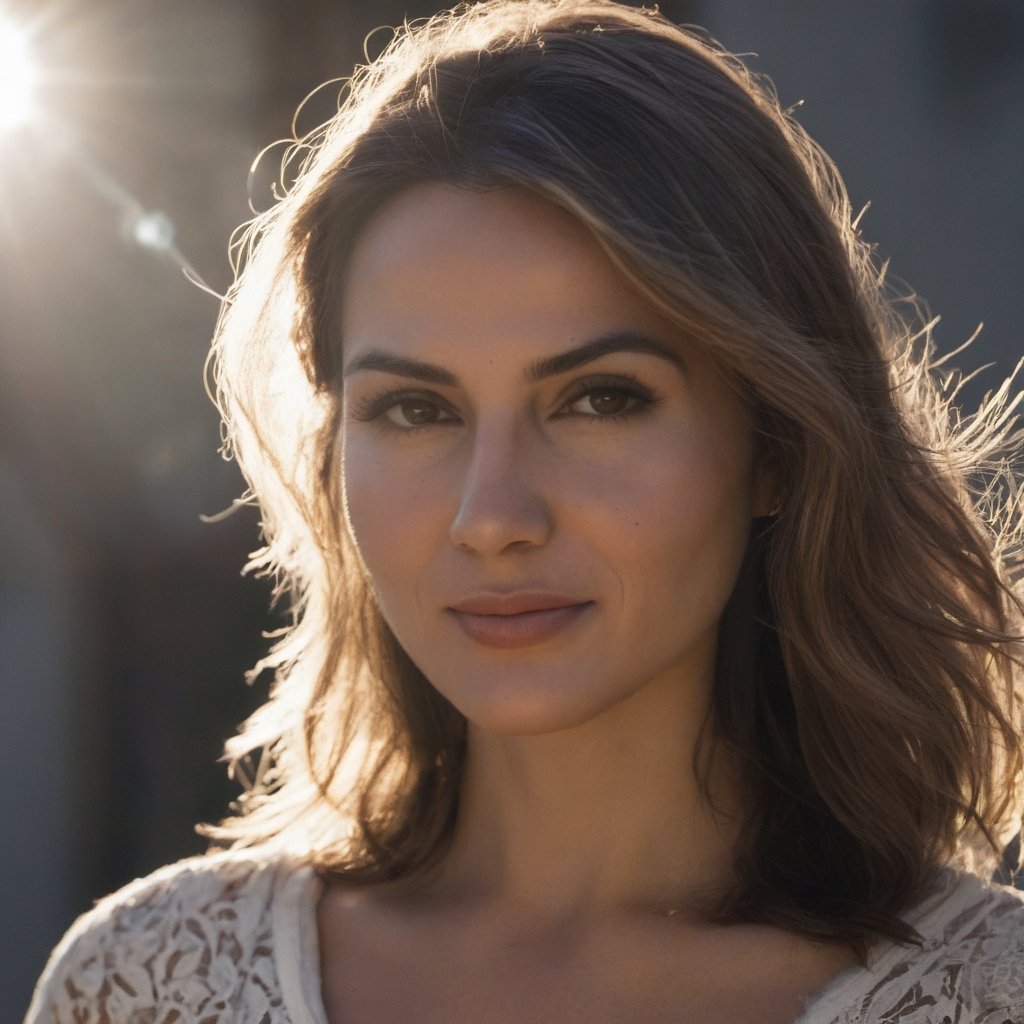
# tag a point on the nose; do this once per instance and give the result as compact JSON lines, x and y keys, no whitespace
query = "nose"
{"x":502,"y":503}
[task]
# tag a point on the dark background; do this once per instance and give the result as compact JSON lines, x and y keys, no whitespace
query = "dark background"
{"x":125,"y":626}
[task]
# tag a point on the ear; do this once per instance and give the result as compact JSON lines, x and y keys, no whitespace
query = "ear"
{"x":767,"y":486}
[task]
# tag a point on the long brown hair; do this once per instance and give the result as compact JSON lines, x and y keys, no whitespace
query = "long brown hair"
{"x":867,"y":673}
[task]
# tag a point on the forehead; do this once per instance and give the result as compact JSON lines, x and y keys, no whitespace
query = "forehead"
{"x":438,"y":261}
{"x":441,"y":218}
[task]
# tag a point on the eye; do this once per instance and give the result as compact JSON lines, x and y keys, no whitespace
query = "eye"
{"x":607,"y":399}
{"x":403,"y":411}
{"x":416,"y":412}
{"x":604,"y":402}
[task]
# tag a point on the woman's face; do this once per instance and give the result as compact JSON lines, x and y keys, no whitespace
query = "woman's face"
{"x":550,"y":488}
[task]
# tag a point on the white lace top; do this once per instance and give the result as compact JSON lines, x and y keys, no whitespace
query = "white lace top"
{"x":233,"y":938}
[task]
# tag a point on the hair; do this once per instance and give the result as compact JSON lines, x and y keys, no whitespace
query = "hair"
{"x":868,"y":667}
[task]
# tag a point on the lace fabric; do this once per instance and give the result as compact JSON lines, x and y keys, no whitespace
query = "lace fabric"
{"x":232,"y":937}
{"x":191,"y":943}
{"x":968,"y":970}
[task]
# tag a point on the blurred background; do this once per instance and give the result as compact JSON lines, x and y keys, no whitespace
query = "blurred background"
{"x":125,"y":625}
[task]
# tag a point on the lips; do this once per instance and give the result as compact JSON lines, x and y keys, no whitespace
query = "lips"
{"x":517,"y":620}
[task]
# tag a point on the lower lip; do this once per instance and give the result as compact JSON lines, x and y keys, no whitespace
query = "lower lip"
{"x":522,"y":630}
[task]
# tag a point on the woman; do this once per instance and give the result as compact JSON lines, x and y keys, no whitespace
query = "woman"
{"x":654,"y":642}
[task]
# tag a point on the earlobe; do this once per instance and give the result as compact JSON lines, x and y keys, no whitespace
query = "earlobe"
{"x":767,"y":488}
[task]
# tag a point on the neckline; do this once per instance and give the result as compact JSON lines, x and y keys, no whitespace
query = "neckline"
{"x":296,"y":945}
{"x":296,"y":942}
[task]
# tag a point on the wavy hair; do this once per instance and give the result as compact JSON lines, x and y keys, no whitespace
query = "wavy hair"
{"x":868,"y":670}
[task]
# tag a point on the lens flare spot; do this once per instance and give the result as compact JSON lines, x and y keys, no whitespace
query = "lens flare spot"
{"x":153,"y":230}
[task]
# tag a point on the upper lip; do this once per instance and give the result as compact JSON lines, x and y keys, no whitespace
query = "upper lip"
{"x":514,"y":603}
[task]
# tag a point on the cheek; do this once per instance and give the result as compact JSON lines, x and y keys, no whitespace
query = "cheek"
{"x":387,"y":513}
{"x":679,"y":520}
{"x":682,"y":486}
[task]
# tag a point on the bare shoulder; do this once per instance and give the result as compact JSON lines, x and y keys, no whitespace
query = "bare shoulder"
{"x":179,"y":937}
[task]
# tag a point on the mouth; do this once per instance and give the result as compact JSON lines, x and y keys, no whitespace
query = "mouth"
{"x":517,"y":620}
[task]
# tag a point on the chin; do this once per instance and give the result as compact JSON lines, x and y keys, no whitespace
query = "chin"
{"x":508,"y":712}
{"x":524,"y":723}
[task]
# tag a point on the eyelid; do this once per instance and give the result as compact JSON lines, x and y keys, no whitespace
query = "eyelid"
{"x":612,"y":381}
{"x":641,"y":399}
{"x":373,"y":406}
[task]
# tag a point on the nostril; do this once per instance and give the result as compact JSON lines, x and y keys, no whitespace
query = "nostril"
{"x":500,"y":519}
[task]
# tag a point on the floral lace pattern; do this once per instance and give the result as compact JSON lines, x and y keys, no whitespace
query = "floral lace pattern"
{"x":225,"y":939}
{"x":969,"y":969}
{"x":192,"y":944}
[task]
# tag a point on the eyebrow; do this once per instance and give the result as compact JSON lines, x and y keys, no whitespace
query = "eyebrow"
{"x":539,"y":369}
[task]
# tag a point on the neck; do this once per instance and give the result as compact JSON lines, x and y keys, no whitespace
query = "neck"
{"x":607,"y":816}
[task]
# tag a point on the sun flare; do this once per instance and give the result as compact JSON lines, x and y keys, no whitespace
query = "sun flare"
{"x":17,"y":76}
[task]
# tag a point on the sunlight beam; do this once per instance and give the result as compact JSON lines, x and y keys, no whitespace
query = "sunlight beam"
{"x":17,"y":76}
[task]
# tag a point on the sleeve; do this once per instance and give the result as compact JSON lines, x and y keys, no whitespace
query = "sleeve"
{"x":969,"y":970}
{"x":995,"y":969}
{"x":189,"y":943}
{"x":98,"y":972}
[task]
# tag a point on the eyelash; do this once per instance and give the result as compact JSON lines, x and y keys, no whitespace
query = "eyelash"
{"x":642,"y":400}
{"x":373,"y":407}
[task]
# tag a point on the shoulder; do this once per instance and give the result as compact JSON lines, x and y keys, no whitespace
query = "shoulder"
{"x":969,"y":968}
{"x":195,"y":937}
{"x":982,"y":948}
